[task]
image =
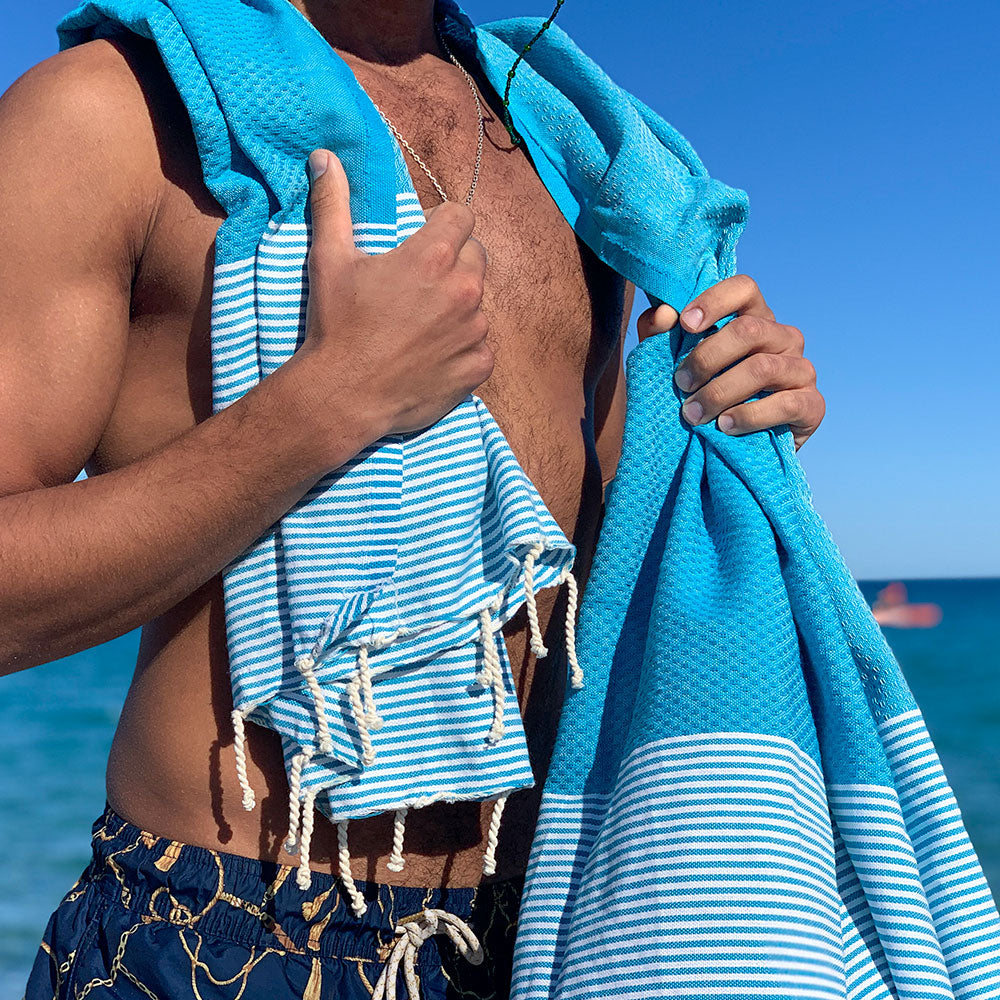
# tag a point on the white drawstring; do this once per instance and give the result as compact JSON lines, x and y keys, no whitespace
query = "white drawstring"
{"x":575,"y":670}
{"x":240,"y":746}
{"x":537,"y":646}
{"x":294,"y":802}
{"x":411,"y":934}
{"x":304,"y":664}
{"x":358,"y":904}
{"x":490,"y":857}
{"x":304,"y":877}
{"x":396,"y":862}
{"x":491,"y":675}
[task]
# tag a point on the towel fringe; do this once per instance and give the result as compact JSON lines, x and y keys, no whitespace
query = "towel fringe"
{"x":358,"y":904}
{"x":304,"y":876}
{"x":372,"y":718}
{"x":299,"y":761}
{"x":572,"y":596}
{"x":537,"y":646}
{"x":396,"y":860}
{"x":491,"y":675}
{"x":360,"y":720}
{"x":305,"y":664}
{"x":490,"y":857}
{"x":240,"y":746}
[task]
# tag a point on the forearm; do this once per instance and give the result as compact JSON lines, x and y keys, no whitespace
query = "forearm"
{"x":87,"y":561}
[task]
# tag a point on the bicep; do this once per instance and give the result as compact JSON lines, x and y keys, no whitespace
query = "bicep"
{"x":65,"y":275}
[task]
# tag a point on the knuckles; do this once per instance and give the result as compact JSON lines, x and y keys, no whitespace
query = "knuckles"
{"x":438,"y":256}
{"x":749,"y":330}
{"x":479,"y":327}
{"x":767,"y":368}
{"x":796,"y":339}
{"x":483,"y":359}
{"x":699,"y":368}
{"x":747,"y":284}
{"x":468,"y":290}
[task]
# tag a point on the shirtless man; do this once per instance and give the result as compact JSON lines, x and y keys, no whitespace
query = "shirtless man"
{"x":106,"y":264}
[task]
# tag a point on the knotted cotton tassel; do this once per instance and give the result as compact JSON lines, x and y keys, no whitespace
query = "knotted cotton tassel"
{"x":372,"y":718}
{"x":537,"y":646}
{"x":240,"y":746}
{"x":294,"y":801}
{"x":304,"y":664}
{"x":358,"y":904}
{"x":304,"y":877}
{"x":396,"y":861}
{"x":575,"y":670}
{"x":360,"y":720}
{"x":491,"y":675}
{"x":490,"y":857}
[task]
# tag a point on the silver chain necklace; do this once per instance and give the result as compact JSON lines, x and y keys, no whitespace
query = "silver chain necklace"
{"x":482,"y":131}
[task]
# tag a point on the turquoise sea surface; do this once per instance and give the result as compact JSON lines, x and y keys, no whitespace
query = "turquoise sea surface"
{"x":56,"y":724}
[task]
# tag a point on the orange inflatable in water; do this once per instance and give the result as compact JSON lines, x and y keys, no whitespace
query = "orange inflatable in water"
{"x":892,"y":608}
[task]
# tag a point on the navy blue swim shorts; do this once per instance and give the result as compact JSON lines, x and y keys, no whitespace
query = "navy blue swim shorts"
{"x":152,"y":918}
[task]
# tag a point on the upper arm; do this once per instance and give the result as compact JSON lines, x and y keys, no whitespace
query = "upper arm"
{"x":609,"y":399}
{"x":74,"y":190}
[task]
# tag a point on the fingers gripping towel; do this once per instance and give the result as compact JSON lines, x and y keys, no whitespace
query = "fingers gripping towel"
{"x":743,"y":799}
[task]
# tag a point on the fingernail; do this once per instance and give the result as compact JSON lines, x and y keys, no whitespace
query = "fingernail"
{"x":684,"y":379}
{"x":726,"y":423}
{"x":692,"y":317}
{"x":693,"y":411}
{"x":318,"y":162}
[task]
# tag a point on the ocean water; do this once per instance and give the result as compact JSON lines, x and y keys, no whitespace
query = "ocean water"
{"x":56,"y":724}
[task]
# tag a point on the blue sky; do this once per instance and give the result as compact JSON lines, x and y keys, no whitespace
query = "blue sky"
{"x":866,"y":136}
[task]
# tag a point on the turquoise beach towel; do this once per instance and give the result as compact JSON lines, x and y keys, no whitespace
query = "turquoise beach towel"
{"x":743,"y":800}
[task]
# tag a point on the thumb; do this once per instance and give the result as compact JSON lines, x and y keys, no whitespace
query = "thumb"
{"x":330,"y":203}
{"x":657,"y":319}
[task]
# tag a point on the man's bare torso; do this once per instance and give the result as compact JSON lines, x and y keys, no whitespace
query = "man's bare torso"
{"x":555,"y":314}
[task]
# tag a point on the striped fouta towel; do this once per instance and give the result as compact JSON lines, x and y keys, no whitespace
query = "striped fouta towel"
{"x":364,"y":626}
{"x":743,"y":799}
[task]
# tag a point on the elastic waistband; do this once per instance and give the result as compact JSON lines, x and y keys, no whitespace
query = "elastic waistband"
{"x":257,"y":903}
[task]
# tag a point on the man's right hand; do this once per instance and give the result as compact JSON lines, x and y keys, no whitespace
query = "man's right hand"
{"x":400,"y":333}
{"x":393,"y":342}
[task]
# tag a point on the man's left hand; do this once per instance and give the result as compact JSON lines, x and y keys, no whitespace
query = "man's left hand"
{"x":764,"y":355}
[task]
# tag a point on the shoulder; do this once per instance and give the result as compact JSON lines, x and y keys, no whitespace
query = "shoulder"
{"x":91,"y":92}
{"x":81,"y":127}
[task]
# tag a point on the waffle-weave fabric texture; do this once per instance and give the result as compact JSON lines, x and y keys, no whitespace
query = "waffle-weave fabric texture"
{"x":743,"y":799}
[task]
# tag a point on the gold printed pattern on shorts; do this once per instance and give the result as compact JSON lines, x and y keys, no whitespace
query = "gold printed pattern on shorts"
{"x":168,"y":859}
{"x":197,"y":970}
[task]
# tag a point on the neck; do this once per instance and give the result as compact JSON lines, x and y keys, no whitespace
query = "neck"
{"x":391,"y":32}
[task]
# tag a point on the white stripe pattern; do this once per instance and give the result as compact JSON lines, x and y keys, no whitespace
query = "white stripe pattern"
{"x":722,"y":865}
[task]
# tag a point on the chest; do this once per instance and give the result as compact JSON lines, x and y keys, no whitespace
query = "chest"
{"x":554,"y":309}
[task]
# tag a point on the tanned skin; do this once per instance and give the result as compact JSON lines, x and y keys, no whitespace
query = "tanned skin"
{"x":106,"y":254}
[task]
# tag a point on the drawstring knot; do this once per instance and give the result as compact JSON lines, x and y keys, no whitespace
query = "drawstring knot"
{"x":411,"y":934}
